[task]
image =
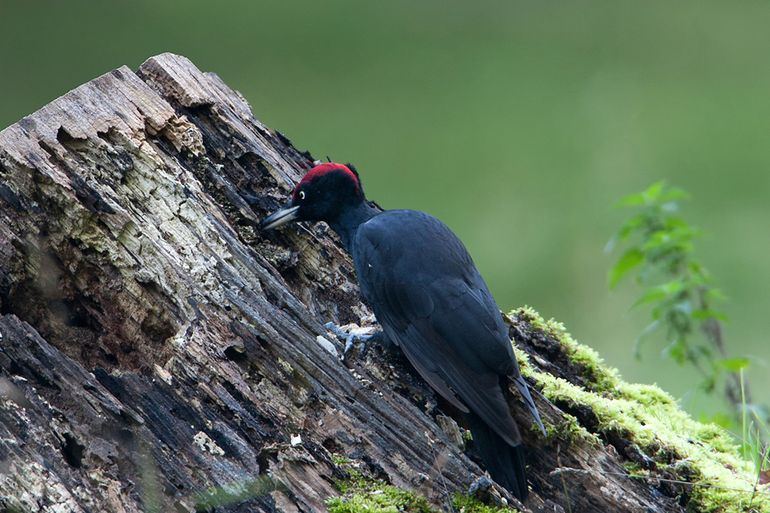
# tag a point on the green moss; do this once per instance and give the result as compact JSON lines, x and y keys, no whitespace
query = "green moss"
{"x":593,"y":369}
{"x":702,"y":454}
{"x":570,"y":430}
{"x":465,"y":504}
{"x":382,"y":499}
{"x":340,"y":460}
{"x":634,"y":469}
{"x":361,"y":494}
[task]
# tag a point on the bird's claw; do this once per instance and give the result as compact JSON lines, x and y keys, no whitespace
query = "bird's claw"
{"x":354,"y":335}
{"x":484,"y":490}
{"x":480,"y":485}
{"x":337,"y":330}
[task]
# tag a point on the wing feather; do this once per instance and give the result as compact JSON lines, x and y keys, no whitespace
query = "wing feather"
{"x":443,"y":318}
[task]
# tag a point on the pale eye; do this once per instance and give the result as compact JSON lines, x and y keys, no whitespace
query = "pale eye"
{"x":301,"y":195}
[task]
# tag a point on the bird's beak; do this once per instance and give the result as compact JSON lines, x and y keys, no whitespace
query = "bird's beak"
{"x":280,"y":218}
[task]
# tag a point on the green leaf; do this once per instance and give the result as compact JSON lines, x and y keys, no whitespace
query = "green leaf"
{"x":651,"y":295}
{"x":674,"y":194}
{"x":705,"y":315}
{"x":695,"y":267}
{"x":677,"y":351}
{"x":627,"y":262}
{"x":734,"y":364}
{"x":629,"y":227}
{"x":660,"y":292}
{"x":649,"y":196}
{"x":632,"y":200}
{"x":653,"y":192}
{"x":715,"y":295}
{"x":657,"y":239}
{"x":674,"y":286}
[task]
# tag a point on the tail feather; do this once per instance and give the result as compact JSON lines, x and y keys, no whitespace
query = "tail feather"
{"x":504,"y":462}
{"x":523,"y":389}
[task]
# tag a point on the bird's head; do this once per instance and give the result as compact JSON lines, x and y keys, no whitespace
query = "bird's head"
{"x":322,"y":195}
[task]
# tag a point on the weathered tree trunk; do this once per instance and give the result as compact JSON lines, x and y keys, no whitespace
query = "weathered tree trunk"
{"x":155,"y":345}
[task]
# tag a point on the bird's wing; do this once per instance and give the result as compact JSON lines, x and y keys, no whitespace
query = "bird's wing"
{"x":403,"y":318}
{"x":441,"y":324}
{"x":472,"y":315}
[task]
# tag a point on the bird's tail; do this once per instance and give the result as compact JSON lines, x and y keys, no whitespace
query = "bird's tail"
{"x":523,"y":389}
{"x":504,"y":462}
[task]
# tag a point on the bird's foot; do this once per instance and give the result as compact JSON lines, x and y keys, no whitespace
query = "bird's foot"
{"x":355,"y":335}
{"x":486,"y":491}
{"x":480,"y":485}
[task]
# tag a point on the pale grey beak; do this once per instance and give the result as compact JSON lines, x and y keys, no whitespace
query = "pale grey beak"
{"x":279,"y":218}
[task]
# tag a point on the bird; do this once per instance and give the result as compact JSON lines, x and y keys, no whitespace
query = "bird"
{"x":431,"y":301}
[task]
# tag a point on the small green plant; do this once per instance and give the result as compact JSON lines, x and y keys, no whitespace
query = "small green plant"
{"x":659,"y":252}
{"x":684,"y":303}
{"x":659,"y":246}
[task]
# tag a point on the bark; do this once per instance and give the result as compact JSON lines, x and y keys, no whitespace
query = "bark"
{"x":159,"y":353}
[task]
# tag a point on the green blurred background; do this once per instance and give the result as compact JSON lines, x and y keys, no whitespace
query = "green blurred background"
{"x":519,"y":123}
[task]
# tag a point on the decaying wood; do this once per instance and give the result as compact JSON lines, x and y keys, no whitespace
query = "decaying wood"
{"x":155,"y":345}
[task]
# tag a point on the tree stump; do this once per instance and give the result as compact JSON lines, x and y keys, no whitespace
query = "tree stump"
{"x":159,"y":353}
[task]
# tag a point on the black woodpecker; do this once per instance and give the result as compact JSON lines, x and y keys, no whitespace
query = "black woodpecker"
{"x":432,"y":302}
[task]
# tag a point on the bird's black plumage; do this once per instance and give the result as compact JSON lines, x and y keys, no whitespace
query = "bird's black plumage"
{"x":432,"y":302}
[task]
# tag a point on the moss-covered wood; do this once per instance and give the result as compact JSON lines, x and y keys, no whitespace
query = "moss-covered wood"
{"x":158,"y":353}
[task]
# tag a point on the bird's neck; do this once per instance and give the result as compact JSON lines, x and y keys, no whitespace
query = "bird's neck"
{"x":350,"y":219}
